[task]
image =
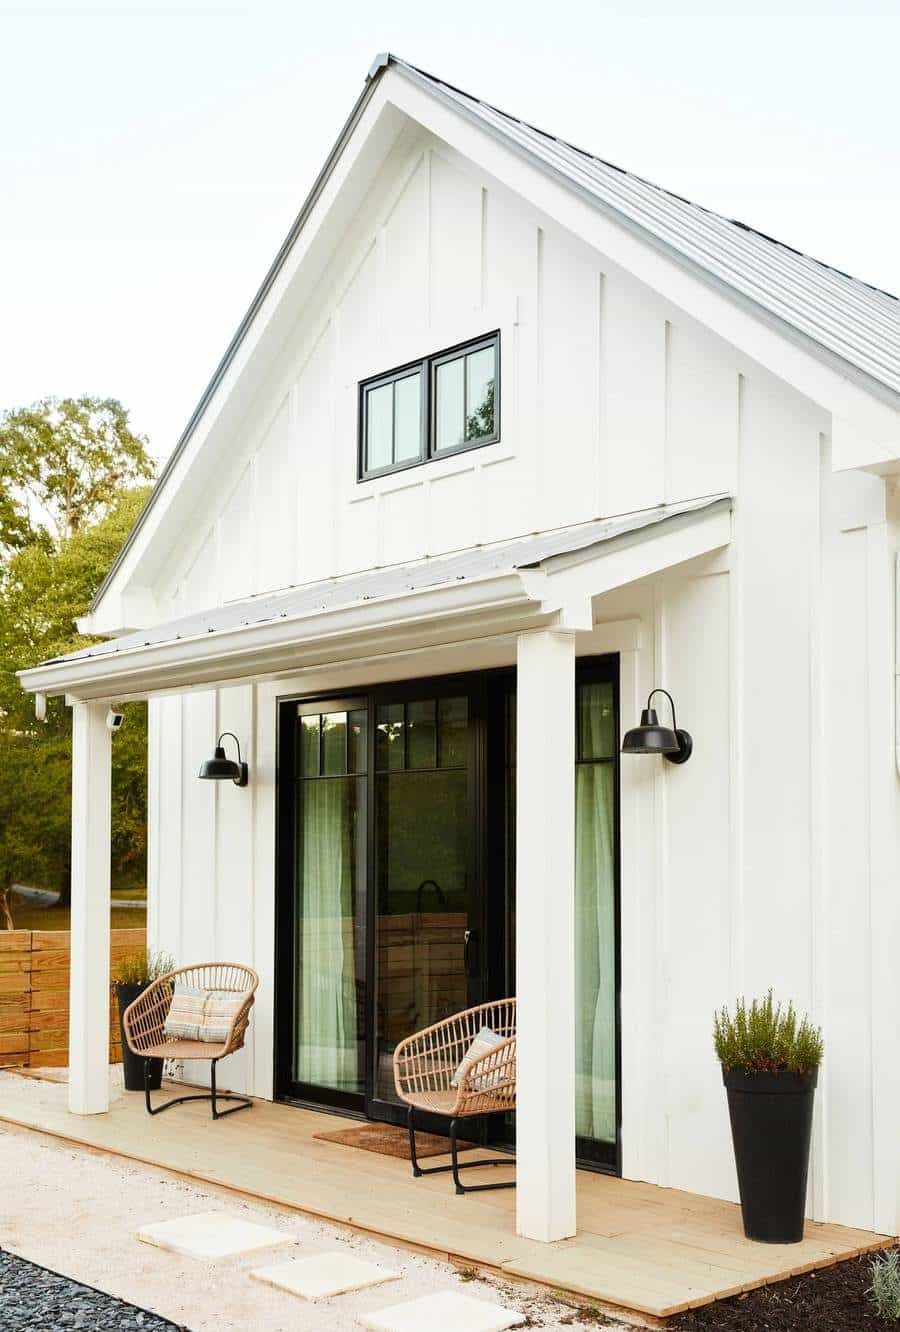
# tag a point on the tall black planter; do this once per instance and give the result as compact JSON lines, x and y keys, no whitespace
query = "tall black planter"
{"x":771,"y":1126}
{"x":132,"y":1064}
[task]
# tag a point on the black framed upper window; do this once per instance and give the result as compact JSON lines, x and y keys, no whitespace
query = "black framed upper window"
{"x":442,"y":404}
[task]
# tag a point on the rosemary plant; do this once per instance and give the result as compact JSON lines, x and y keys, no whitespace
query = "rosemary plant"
{"x":766,"y":1038}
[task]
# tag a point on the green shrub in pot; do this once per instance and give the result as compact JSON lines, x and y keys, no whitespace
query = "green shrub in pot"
{"x":770,"y":1061}
{"x":135,"y":972}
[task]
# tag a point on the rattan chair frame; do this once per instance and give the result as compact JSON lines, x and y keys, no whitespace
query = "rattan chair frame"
{"x":425,"y":1063}
{"x":144,"y":1025}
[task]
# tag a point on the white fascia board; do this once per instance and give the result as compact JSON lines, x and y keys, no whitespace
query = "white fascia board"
{"x":273,"y":646}
{"x":350,"y":178}
{"x":572,"y":580}
{"x":852,"y":448}
{"x":727,"y":313}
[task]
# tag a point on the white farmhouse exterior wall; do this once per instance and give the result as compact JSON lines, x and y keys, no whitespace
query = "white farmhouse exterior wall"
{"x":771,"y":859}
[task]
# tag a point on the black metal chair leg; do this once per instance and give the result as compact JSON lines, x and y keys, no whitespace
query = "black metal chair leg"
{"x":243,"y":1102}
{"x":412,"y":1143}
{"x":454,"y":1157}
{"x":455,"y":1165}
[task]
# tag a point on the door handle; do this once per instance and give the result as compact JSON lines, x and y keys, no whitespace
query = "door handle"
{"x":470,"y":952}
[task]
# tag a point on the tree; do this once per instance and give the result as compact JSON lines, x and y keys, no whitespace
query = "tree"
{"x":63,"y":463}
{"x":44,"y":587}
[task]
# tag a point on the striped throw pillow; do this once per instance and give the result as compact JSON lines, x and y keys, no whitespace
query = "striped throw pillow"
{"x":196,"y":1014}
{"x":483,"y":1043}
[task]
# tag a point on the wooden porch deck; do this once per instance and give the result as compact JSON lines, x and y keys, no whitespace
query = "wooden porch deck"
{"x":649,"y":1250}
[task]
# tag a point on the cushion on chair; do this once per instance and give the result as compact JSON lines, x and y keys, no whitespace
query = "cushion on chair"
{"x":483,"y":1043}
{"x":196,"y":1014}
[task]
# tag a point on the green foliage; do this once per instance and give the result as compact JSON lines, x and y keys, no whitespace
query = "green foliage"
{"x":144,"y":966}
{"x":63,"y":463}
{"x":884,"y":1290}
{"x":766,"y":1038}
{"x":480,"y":423}
{"x":66,"y":509}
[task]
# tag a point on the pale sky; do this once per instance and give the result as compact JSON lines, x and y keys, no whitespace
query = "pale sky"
{"x":154,"y":153}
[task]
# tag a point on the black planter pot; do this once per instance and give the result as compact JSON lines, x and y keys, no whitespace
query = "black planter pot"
{"x":771,"y":1126}
{"x":132,"y":1064}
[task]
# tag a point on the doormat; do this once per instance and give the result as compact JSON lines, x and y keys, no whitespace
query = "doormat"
{"x":389,"y":1140}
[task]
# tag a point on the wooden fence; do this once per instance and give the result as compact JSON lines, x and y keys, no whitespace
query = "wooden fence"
{"x":34,"y":995}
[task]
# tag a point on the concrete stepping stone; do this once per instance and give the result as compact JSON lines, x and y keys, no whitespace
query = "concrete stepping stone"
{"x":212,"y":1235}
{"x":448,"y":1311}
{"x":324,"y":1274}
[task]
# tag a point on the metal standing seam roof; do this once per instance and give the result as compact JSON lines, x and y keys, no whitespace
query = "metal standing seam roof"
{"x":474,"y":564}
{"x":857,"y":322}
{"x":851,"y":324}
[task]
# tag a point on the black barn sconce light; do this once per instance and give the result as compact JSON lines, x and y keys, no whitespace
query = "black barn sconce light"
{"x":651,"y":738}
{"x":222,"y":769}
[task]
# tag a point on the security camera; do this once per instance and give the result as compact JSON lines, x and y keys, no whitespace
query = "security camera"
{"x":114,"y":720}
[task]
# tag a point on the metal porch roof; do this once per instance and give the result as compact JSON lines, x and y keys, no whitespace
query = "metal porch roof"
{"x":468,"y":566}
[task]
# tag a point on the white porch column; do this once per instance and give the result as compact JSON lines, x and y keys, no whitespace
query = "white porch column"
{"x":89,"y":961}
{"x":545,"y":935}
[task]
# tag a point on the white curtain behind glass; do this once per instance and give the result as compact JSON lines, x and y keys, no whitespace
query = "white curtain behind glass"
{"x":595,"y":1029}
{"x":326,"y":1020}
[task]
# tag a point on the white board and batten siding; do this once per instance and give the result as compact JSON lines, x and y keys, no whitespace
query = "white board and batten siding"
{"x":771,"y":858}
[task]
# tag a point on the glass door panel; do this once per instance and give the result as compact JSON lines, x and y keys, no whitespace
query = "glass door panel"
{"x":595,"y":916}
{"x":328,"y":1045}
{"x":596,"y":904}
{"x":423,"y":854}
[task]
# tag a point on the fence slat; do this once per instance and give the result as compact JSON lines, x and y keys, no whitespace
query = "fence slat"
{"x":34,"y":995}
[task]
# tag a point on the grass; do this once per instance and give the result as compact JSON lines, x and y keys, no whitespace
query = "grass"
{"x":57,"y":918}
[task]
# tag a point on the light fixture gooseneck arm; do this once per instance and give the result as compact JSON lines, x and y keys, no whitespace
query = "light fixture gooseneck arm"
{"x":671,"y":704}
{"x":234,"y":738}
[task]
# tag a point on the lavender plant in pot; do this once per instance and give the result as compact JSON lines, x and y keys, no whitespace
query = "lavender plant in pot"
{"x":136,"y":972}
{"x":770,"y":1063}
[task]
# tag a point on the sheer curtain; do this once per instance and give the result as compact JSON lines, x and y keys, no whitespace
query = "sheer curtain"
{"x":326,"y":1020}
{"x":595,"y":1029}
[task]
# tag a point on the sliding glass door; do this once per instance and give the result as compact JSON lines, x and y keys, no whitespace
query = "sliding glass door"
{"x":396,"y":906}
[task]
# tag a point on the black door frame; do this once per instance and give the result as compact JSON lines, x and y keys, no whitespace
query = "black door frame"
{"x":487,"y":780}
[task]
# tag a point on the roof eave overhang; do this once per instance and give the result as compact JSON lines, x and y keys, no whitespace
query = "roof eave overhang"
{"x":258,"y":651}
{"x":557,"y":593}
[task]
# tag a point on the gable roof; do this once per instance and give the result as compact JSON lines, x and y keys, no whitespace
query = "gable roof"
{"x":851,"y":324}
{"x":855,"y":321}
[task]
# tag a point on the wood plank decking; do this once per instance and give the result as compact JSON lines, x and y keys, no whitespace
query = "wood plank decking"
{"x":641,"y":1248}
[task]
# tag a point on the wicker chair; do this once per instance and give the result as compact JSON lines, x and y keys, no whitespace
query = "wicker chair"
{"x":425,"y":1063}
{"x":144,"y":1022}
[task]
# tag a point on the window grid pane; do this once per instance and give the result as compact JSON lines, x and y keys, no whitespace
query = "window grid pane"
{"x":479,"y":406}
{"x":407,"y":418}
{"x":450,"y":412}
{"x":379,"y":427}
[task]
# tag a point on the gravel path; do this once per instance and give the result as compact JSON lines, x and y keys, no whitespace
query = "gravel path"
{"x":75,"y":1212}
{"x":32,"y":1297}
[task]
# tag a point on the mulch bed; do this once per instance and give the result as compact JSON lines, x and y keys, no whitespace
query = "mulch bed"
{"x":42,"y":1301}
{"x":833,"y":1299}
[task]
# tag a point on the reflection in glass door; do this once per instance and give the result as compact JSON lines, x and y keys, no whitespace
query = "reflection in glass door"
{"x":423,"y":855}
